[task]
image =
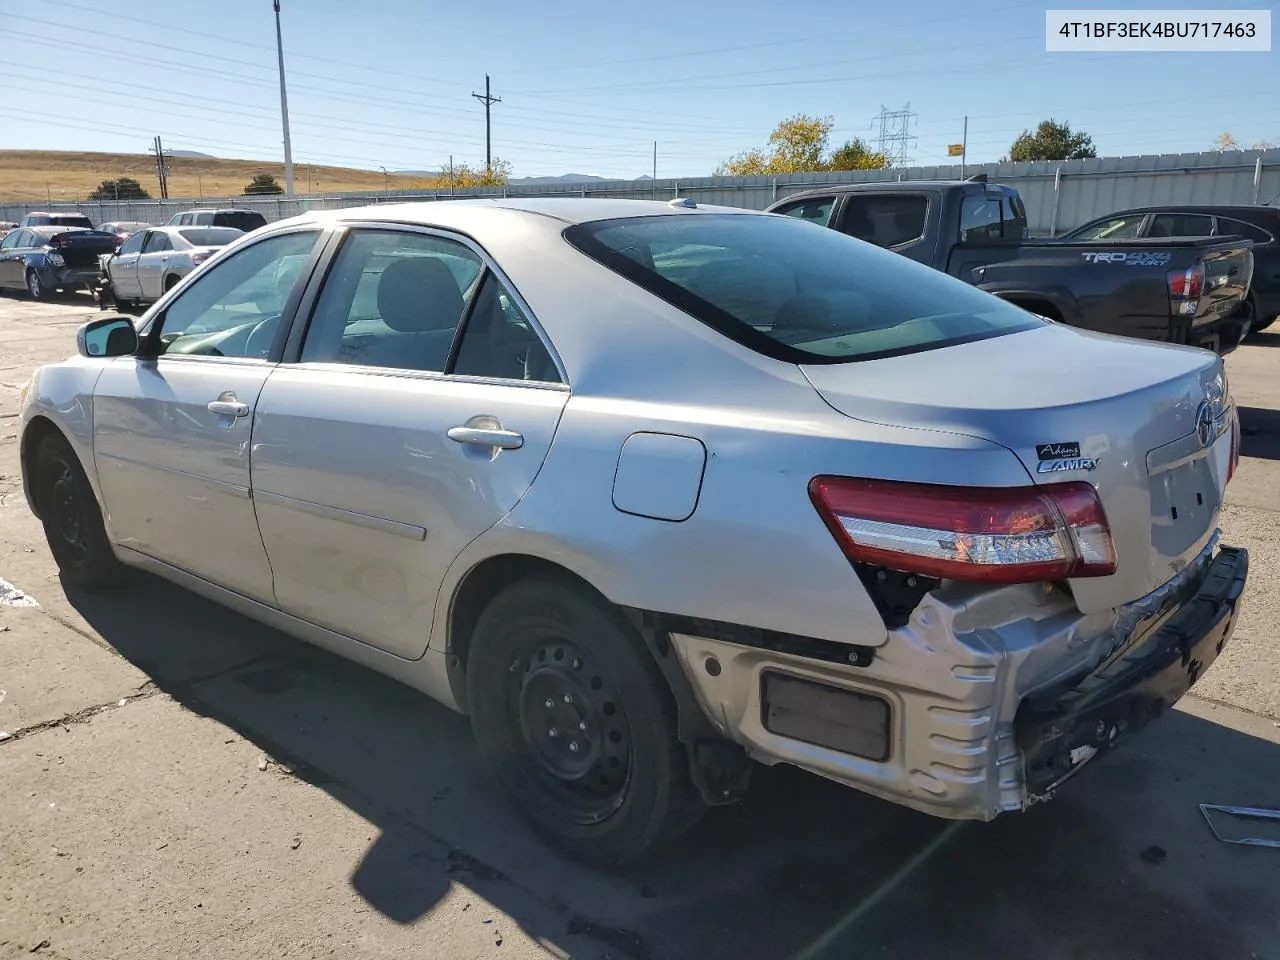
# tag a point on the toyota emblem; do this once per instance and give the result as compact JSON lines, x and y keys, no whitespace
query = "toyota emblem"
{"x":1204,"y":422}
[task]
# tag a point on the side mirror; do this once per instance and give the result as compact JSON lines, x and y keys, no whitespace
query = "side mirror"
{"x":107,"y":337}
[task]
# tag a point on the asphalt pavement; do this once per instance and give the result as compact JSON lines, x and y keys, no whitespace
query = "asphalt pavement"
{"x":176,"y":780}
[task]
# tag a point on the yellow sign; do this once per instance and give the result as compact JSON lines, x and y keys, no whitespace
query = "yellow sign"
{"x":955,"y":150}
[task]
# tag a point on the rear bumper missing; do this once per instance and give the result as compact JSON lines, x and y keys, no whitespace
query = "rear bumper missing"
{"x":985,"y":701}
{"x":1060,"y":732}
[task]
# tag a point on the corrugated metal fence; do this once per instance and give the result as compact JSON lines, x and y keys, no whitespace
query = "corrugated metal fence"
{"x":1058,"y":194}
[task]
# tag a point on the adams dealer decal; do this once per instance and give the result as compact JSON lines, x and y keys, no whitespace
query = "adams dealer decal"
{"x":1057,"y":457}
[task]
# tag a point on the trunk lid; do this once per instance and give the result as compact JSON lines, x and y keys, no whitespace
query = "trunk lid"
{"x":81,"y":248}
{"x":1072,"y":405}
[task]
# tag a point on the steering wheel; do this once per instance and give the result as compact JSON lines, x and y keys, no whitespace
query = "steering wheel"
{"x":261,"y":337}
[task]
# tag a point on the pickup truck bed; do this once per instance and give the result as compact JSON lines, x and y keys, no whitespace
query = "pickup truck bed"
{"x":1189,"y":291}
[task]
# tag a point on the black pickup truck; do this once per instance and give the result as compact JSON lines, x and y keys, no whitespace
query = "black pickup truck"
{"x":1189,"y":290}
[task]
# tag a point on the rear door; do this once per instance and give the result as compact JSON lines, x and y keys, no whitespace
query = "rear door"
{"x":421,"y":408}
{"x":812,"y":209}
{"x":895,"y":221}
{"x":123,"y":267}
{"x":10,"y":265}
{"x":172,"y":426}
{"x":156,"y":253}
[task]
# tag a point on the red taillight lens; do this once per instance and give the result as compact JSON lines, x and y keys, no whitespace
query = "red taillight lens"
{"x":996,"y":535}
{"x":1187,"y":284}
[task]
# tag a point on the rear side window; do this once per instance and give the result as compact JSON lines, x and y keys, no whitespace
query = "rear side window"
{"x":886,"y":221}
{"x":814,"y":209}
{"x":1114,"y":228}
{"x":980,"y":218}
{"x":794,"y":293}
{"x":1180,"y":225}
{"x":1238,"y":228}
{"x":245,"y":220}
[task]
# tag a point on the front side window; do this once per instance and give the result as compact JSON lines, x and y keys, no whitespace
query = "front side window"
{"x":794,"y":293}
{"x":392,"y":299}
{"x":886,"y":221}
{"x":235,"y":308}
{"x":814,"y":209}
{"x":133,"y":244}
{"x":1114,"y":228}
{"x":11,"y":240}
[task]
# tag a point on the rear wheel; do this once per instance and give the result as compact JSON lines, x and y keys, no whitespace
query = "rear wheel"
{"x":37,"y":289}
{"x":170,"y":282}
{"x":71,"y":517}
{"x":576,"y":722}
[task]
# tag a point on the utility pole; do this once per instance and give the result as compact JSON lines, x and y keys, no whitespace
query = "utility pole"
{"x":284,"y":108}
{"x":386,"y":180}
{"x":964,"y":147}
{"x":162,"y":174}
{"x":488,"y":100}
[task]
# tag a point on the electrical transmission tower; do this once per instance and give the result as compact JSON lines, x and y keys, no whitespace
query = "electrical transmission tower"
{"x":895,"y":134}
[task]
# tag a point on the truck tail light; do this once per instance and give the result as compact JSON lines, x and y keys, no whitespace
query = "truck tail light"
{"x":1187,"y":284}
{"x":993,"y":535}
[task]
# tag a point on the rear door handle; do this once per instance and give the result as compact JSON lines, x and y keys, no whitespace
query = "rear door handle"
{"x":480,"y":437}
{"x":229,"y":408}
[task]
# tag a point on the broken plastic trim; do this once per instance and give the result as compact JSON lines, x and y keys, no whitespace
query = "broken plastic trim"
{"x":1244,"y":813}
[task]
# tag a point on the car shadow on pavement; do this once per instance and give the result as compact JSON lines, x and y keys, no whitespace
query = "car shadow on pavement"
{"x":1270,"y":338}
{"x":1121,"y":865}
{"x":1259,"y":433}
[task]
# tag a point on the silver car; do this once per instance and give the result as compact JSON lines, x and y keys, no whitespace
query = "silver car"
{"x":658,"y":491}
{"x":152,"y":261}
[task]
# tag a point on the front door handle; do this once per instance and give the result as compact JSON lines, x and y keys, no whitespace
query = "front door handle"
{"x":482,"y":437}
{"x":229,"y":408}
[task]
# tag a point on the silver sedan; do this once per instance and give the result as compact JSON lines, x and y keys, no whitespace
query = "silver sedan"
{"x":657,"y":491}
{"x":152,"y":260}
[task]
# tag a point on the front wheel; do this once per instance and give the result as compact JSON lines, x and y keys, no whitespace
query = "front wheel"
{"x":71,"y":517}
{"x":576,"y":722}
{"x":37,"y":289}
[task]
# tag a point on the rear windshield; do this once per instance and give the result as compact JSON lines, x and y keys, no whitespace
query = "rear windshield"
{"x":69,"y":221}
{"x":209,"y":236}
{"x":240,"y":219}
{"x":796,"y":291}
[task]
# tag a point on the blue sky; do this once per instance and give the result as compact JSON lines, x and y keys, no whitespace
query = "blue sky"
{"x":588,"y":88}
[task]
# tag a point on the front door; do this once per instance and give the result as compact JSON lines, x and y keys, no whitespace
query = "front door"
{"x":156,"y":252}
{"x":123,"y":267}
{"x":376,"y":458}
{"x":10,"y":266}
{"x":172,"y":427}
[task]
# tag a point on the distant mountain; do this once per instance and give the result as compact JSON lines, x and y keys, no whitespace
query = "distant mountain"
{"x":190,"y":153}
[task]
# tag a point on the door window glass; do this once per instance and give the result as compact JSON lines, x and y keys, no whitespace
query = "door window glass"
{"x":980,"y":218}
{"x":133,"y":244}
{"x":1115,"y":228}
{"x":814,"y":209}
{"x":157,"y":243}
{"x":1237,"y":228}
{"x":1180,"y":225}
{"x":10,"y":241}
{"x":499,"y":340}
{"x":886,"y":221}
{"x":234,"y":309}
{"x":392,"y":299}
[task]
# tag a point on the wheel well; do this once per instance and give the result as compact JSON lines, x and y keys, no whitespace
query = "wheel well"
{"x":484,"y":582}
{"x":37,"y":430}
{"x":171,"y":281}
{"x":1043,"y":307}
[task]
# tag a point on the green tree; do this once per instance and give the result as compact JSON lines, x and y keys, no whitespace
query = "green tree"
{"x":1052,"y":141}
{"x":856,"y":155}
{"x":464,"y":175}
{"x":799,"y":145}
{"x":262,"y":183}
{"x":121,"y":188}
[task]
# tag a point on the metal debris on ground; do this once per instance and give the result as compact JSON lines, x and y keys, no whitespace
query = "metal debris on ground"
{"x":1243,"y":813}
{"x":296,"y":843}
{"x":263,"y":763}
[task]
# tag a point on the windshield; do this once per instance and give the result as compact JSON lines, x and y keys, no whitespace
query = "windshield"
{"x":796,"y":291}
{"x":209,"y":236}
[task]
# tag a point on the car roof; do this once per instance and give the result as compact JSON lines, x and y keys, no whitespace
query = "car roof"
{"x":1226,"y":210}
{"x":876,"y":186}
{"x":569,"y":210}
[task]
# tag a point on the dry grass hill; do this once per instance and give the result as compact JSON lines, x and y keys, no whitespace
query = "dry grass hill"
{"x":66,"y":177}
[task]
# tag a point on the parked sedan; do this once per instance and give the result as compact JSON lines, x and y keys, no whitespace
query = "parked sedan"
{"x":42,"y":260}
{"x":1261,"y":224}
{"x":152,"y":261}
{"x":655,"y":491}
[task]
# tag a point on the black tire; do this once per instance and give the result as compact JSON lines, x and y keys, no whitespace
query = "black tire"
{"x":35,"y":288}
{"x":1258,"y":327}
{"x":170,"y":282}
{"x":71,"y":517}
{"x":626,"y":789}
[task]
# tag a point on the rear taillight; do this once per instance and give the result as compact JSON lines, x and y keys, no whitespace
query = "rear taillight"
{"x":200,"y":257}
{"x":1185,"y":287}
{"x":997,"y":534}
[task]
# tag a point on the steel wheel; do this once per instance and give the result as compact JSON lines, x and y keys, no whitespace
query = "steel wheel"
{"x":576,"y":737}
